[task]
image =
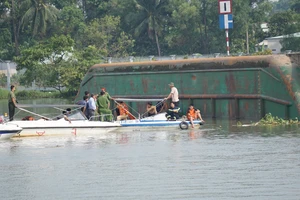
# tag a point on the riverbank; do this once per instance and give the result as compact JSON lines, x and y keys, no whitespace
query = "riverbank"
{"x":33,"y":94}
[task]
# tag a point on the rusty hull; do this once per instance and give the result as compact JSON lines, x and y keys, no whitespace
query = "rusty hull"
{"x":244,"y":87}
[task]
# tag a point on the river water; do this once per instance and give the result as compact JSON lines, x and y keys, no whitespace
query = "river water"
{"x":216,"y":161}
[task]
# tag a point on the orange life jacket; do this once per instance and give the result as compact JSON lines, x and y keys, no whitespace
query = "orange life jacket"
{"x":191,"y":113}
{"x":123,"y":109}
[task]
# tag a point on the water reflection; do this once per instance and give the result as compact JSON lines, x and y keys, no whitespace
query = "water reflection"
{"x":212,"y":162}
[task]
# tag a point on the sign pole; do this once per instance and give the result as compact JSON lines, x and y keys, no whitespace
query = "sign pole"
{"x":227,"y":41}
{"x":225,"y":18}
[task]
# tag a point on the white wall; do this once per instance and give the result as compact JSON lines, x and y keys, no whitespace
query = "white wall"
{"x":3,"y":68}
{"x":274,"y":45}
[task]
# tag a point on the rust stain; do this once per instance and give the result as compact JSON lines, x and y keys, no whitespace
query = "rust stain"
{"x":289,"y":86}
{"x":145,"y":85}
{"x":204,"y":85}
{"x":230,"y":83}
{"x":194,"y":78}
{"x":131,"y":85}
{"x":247,"y":84}
{"x":246,"y":106}
{"x":216,"y":84}
{"x":230,"y":107}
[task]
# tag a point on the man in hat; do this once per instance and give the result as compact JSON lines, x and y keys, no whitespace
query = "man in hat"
{"x":173,"y":94}
{"x":105,"y":93}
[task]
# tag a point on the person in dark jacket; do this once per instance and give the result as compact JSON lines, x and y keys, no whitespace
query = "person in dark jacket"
{"x":173,"y":112}
{"x":12,"y":103}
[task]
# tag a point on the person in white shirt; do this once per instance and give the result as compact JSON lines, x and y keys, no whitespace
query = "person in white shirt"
{"x":92,"y":106}
{"x":173,"y":94}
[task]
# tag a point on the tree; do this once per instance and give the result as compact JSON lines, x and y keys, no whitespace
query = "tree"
{"x":56,"y":64}
{"x":70,"y":22}
{"x":282,"y":23}
{"x":45,"y":57}
{"x":248,"y":16}
{"x":105,"y":34}
{"x":185,"y":28}
{"x":148,"y":18}
{"x":295,"y":6}
{"x":38,"y":15}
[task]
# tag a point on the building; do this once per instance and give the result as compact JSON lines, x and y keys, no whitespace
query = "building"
{"x":273,"y":43}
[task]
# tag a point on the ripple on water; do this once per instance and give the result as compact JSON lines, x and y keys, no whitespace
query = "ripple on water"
{"x":207,"y":163}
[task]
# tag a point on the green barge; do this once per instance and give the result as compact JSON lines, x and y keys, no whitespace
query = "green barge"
{"x":243,"y":87}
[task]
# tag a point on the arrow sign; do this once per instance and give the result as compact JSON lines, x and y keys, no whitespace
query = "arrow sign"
{"x":226,"y":21}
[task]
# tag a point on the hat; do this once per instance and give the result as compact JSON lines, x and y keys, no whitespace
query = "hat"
{"x":171,"y":84}
{"x":103,"y":88}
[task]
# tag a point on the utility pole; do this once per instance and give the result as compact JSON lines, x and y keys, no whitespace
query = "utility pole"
{"x":8,"y":74}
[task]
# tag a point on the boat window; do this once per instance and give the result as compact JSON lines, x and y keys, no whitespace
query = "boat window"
{"x":76,"y":116}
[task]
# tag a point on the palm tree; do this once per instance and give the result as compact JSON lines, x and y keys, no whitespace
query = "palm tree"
{"x":38,"y":15}
{"x":148,"y":18}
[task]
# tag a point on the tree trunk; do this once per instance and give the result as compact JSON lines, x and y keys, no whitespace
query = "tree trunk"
{"x":205,"y":28}
{"x":157,"y":43}
{"x":247,"y":39}
{"x":16,"y":32}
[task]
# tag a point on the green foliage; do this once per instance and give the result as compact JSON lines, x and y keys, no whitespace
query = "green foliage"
{"x":3,"y":80}
{"x":3,"y":94}
{"x":239,"y":123}
{"x":265,"y":52}
{"x":65,"y":38}
{"x":51,"y":57}
{"x":281,"y":23}
{"x":291,"y":44}
{"x":268,"y":119}
{"x":33,"y":94}
{"x":6,"y":48}
{"x":70,"y":22}
{"x":147,"y":19}
{"x":38,"y":14}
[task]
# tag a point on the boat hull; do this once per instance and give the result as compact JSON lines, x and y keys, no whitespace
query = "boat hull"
{"x":8,"y":131}
{"x":158,"y":121}
{"x":49,"y":128}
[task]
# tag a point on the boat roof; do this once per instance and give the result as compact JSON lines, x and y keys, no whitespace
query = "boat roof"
{"x":137,"y":100}
{"x":48,"y":105}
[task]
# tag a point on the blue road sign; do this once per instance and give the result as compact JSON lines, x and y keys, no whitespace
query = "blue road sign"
{"x":226,"y":21}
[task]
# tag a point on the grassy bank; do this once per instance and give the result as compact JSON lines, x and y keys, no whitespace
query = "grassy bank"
{"x":33,"y":94}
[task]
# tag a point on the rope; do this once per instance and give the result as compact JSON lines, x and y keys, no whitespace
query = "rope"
{"x":126,"y":109}
{"x":34,"y":113}
{"x":161,"y":102}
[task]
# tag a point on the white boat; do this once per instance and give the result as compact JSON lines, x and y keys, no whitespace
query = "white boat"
{"x":8,"y":130}
{"x":158,"y":121}
{"x":46,"y":126}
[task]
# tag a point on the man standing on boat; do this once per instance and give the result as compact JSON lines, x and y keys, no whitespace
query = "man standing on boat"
{"x":92,"y":106}
{"x":103,"y":107}
{"x":105,"y":93}
{"x":173,"y":94}
{"x":12,"y":102}
{"x":84,"y":103}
